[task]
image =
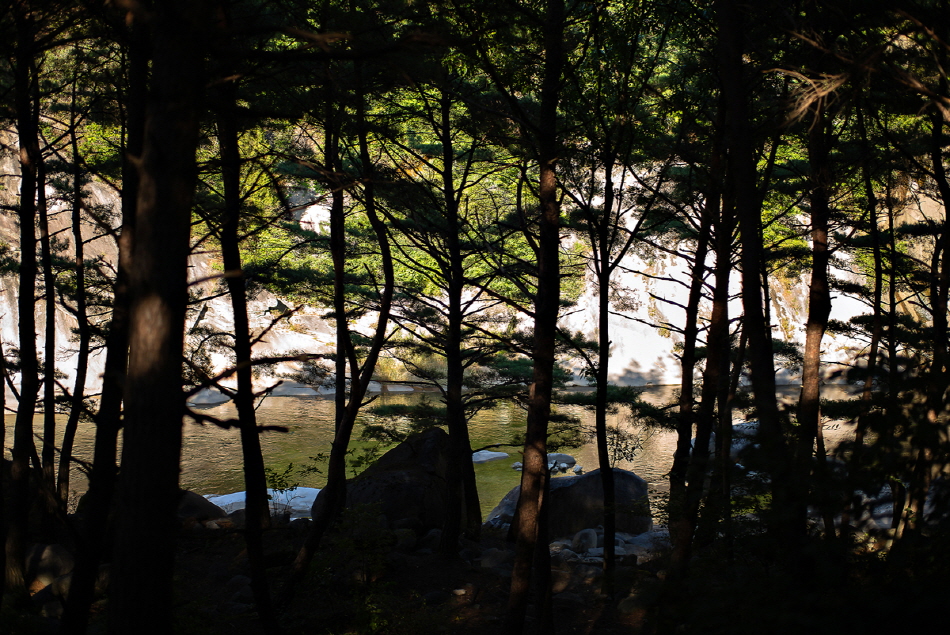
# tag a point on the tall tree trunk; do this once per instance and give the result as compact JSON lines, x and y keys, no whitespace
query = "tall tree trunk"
{"x":681,"y":528}
{"x":532,"y":559}
{"x":819,"y":307}
{"x":729,"y":381}
{"x":48,"y":453}
{"x":148,"y":491}
{"x":102,"y":480}
{"x":463,"y":493}
{"x":82,"y":319}
{"x":877,"y":325}
{"x":332,"y":497}
{"x":716,"y":371}
{"x":331,"y":501}
{"x":603,"y":268}
{"x":932,"y":434}
{"x":3,"y":477}
{"x":741,"y":168}
{"x":255,"y":479}
{"x":29,"y":156}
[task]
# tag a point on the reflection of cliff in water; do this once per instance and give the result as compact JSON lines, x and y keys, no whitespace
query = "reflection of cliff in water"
{"x":211,"y":456}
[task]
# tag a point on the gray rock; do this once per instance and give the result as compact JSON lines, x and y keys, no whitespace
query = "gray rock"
{"x":558,"y":459}
{"x":584,"y":541}
{"x":564,"y":556}
{"x":577,"y":502}
{"x":196,"y":506}
{"x":409,"y":481}
{"x":45,"y":563}
{"x":238,"y":517}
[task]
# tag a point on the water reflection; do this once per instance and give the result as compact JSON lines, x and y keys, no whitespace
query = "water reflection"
{"x":211,"y":456}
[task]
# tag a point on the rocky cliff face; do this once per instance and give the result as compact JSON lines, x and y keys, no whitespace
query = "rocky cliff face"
{"x":643,"y":350}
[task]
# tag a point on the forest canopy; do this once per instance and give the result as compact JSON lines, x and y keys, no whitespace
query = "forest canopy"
{"x":441,"y":183}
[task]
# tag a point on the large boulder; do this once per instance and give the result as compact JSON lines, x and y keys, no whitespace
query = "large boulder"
{"x":192,"y":505}
{"x":577,"y":502}
{"x":45,"y":563}
{"x":408,"y":483}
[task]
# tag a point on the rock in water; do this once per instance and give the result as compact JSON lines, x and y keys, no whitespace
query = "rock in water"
{"x":196,"y":506}
{"x":484,"y":456}
{"x":408,"y":482}
{"x":557,"y":458}
{"x":577,"y":502}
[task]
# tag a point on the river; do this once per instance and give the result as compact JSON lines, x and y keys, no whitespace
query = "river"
{"x":211,"y":456}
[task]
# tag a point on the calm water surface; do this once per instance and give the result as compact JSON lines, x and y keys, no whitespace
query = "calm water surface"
{"x":211,"y":456}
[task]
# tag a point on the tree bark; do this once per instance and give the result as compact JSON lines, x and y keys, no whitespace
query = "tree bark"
{"x":102,"y":479}
{"x":148,"y":491}
{"x":29,"y":156}
{"x":82,"y":320}
{"x":255,"y":478}
{"x":463,"y":493}
{"x":741,"y":167}
{"x":48,"y":453}
{"x":532,"y":559}
{"x":332,"y":499}
{"x":819,"y":306}
{"x":681,"y":527}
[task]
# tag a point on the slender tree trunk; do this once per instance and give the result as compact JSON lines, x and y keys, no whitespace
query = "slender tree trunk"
{"x":729,"y":381}
{"x":877,"y":325}
{"x":463,"y":493}
{"x":741,"y":167}
{"x":255,"y":479}
{"x":332,"y":497}
{"x":716,"y":370}
{"x":603,"y":266}
{"x":681,"y":529}
{"x":29,"y":155}
{"x":532,"y":559}
{"x":48,"y":453}
{"x":82,"y":320}
{"x":3,"y":477}
{"x":331,"y":501}
{"x":149,"y":491}
{"x":102,"y":480}
{"x":819,"y":309}
{"x":932,"y":433}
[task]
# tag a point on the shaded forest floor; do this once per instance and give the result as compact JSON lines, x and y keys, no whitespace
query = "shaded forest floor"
{"x":361,"y":583}
{"x":356,"y":586}
{"x":361,"y":587}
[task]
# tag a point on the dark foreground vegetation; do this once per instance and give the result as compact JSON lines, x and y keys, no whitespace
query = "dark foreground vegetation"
{"x":445,"y":180}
